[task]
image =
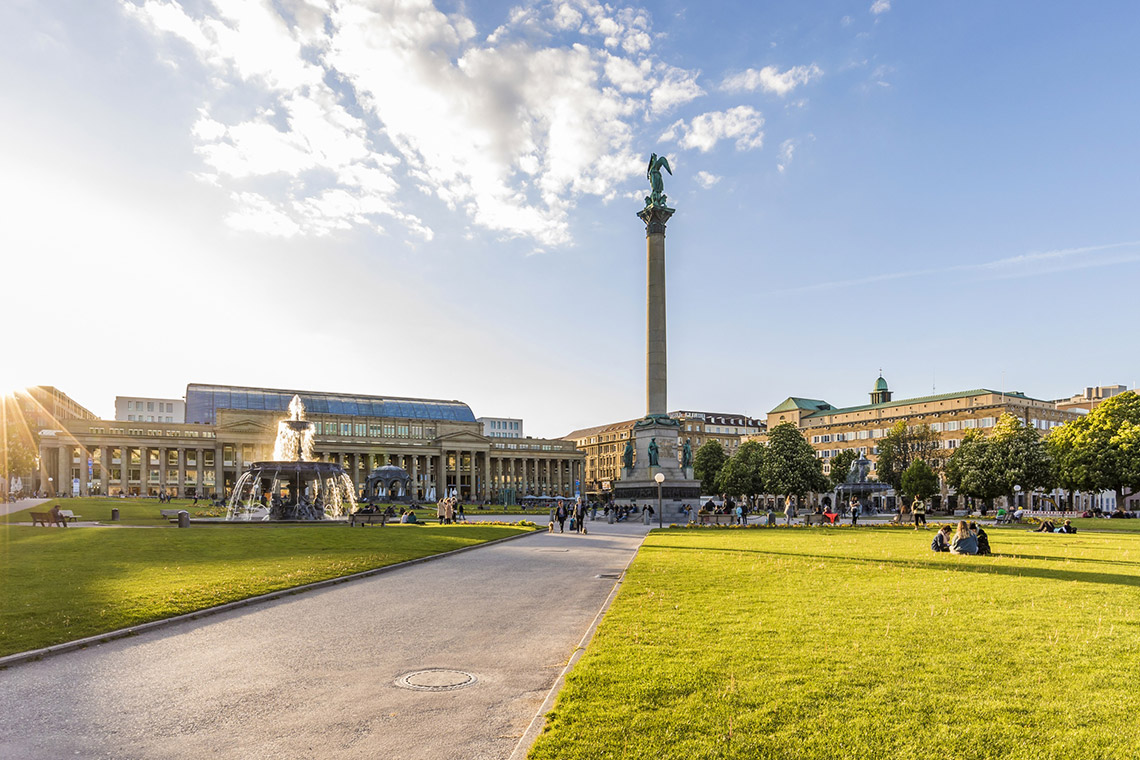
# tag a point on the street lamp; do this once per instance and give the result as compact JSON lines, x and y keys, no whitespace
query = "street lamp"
{"x":660,"y":478}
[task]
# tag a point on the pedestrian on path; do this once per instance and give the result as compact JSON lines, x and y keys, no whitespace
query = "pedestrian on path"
{"x":789,"y":510}
{"x":854,"y":511}
{"x":560,"y":513}
{"x":919,"y":510}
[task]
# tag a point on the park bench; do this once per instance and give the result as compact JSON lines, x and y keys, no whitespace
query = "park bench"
{"x":903,"y":519}
{"x":717,"y":519}
{"x":812,"y":518}
{"x":171,"y":514}
{"x":68,"y":515}
{"x":356,"y":518}
{"x":43,"y":518}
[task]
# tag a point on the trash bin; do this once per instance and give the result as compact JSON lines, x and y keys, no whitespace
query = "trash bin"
{"x":183,"y":519}
{"x":114,"y":514}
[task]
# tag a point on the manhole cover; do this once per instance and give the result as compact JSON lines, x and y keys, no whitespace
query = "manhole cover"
{"x":436,"y":679}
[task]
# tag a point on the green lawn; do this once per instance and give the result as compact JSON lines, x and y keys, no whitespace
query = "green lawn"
{"x":61,"y":584}
{"x":146,"y":511}
{"x":1101,"y":524}
{"x":818,"y":643}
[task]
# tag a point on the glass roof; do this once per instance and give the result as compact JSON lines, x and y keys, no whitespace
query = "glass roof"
{"x":203,"y":401}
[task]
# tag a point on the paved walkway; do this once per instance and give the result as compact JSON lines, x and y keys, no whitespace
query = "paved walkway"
{"x":7,"y":508}
{"x":313,"y":676}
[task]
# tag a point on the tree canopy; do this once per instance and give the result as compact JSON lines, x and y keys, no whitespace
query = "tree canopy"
{"x":707,"y":463}
{"x":841,"y":465}
{"x":919,"y":480}
{"x":901,"y":446}
{"x":741,"y":475}
{"x":790,"y":466}
{"x":1101,"y":451}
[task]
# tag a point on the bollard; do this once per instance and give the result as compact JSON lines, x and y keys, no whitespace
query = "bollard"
{"x":610,"y":515}
{"x":183,"y":519}
{"x":114,"y":514}
{"x":645,"y":516}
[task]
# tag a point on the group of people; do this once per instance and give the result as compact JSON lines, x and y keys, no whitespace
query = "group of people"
{"x":450,"y":510}
{"x":1048,"y":526}
{"x":969,"y":538}
{"x":575,"y":513}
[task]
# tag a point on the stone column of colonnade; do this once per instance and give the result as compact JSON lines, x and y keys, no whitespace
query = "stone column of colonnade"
{"x":219,"y":473}
{"x":105,"y":470}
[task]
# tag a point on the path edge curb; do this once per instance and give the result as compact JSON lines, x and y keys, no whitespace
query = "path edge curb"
{"x":33,"y":655}
{"x":538,"y":722}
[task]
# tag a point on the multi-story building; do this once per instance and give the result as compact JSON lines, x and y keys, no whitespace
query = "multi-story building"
{"x":501,"y":427}
{"x":603,"y":444}
{"x":143,"y":409}
{"x":43,"y":407}
{"x":1091,"y":398}
{"x":832,"y":429}
{"x":439,"y":443}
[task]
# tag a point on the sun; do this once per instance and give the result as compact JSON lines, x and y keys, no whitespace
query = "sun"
{"x":12,"y":379}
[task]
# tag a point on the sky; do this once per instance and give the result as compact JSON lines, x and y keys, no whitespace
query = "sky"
{"x":438,"y":200}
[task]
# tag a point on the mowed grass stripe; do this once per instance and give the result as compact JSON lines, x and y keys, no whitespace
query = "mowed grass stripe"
{"x":820,"y":643}
{"x":59,"y":584}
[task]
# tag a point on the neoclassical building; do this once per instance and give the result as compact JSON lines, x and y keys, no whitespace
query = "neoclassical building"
{"x":439,"y":443}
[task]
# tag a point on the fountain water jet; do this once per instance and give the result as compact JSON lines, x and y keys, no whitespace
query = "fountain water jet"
{"x":294,"y":486}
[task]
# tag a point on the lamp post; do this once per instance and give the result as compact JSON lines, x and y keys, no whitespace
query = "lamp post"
{"x":660,"y":478}
{"x":1016,"y":493}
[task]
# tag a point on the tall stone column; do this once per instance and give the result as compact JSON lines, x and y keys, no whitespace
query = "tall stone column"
{"x":63,"y":477}
{"x":655,"y":218}
{"x":219,"y":473}
{"x":180,"y":489}
{"x":104,"y":469}
{"x":162,"y":469}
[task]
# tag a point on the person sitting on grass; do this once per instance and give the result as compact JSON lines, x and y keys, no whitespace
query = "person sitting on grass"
{"x":964,"y":542}
{"x":1046,"y":526}
{"x":1067,"y":527}
{"x":941,"y":542}
{"x":983,"y":539}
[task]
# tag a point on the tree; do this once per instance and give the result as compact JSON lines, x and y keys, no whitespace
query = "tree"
{"x":790,"y":466}
{"x":901,"y":446}
{"x":841,"y":465}
{"x":1101,"y":451}
{"x":919,"y":480}
{"x":741,"y":475}
{"x":972,"y":470}
{"x":17,"y":457}
{"x":707,"y":462}
{"x":1019,"y":454}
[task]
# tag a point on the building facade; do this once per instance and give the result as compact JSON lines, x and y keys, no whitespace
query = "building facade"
{"x":1090,"y":398}
{"x":143,"y":409}
{"x":830,"y":430}
{"x":501,"y":427}
{"x":603,"y":445}
{"x":439,"y":444}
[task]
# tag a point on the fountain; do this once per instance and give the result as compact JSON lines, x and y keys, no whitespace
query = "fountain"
{"x":294,"y":486}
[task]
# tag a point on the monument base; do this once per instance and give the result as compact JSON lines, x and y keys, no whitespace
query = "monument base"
{"x":637,"y":484}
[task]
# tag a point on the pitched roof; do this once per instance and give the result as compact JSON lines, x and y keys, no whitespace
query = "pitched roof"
{"x":920,"y":400}
{"x":592,"y":431}
{"x":793,"y":403}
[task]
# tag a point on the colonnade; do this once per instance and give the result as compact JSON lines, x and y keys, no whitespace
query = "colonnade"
{"x":474,"y":474}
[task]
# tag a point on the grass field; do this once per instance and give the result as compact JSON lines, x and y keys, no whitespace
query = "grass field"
{"x":794,"y":643}
{"x":60,"y":584}
{"x":146,"y":511}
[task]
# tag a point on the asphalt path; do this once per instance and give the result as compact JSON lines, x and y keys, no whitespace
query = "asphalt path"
{"x":314,"y":676}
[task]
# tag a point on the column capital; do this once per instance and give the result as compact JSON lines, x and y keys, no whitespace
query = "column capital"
{"x":655,"y":218}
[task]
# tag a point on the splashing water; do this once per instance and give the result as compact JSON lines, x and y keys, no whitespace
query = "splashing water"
{"x":294,"y":436}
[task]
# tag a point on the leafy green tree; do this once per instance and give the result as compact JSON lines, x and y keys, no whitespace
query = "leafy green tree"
{"x":1101,"y":451}
{"x":841,"y":465}
{"x":742,"y":474}
{"x":790,"y":466}
{"x":919,"y":480}
{"x":901,"y":446}
{"x":17,"y":456}
{"x":1020,"y":455}
{"x":707,"y":462}
{"x":971,"y":469}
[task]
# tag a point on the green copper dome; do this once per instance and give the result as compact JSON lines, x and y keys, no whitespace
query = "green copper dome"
{"x":881,"y":384}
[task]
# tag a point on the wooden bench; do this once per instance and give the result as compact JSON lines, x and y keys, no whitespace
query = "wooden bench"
{"x":903,"y":519}
{"x":69,"y":515}
{"x":717,"y":519}
{"x":171,"y":514}
{"x":356,"y":518}
{"x":43,"y":518}
{"x":811,"y":518}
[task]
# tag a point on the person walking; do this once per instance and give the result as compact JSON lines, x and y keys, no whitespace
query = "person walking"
{"x":789,"y":510}
{"x":854,"y":512}
{"x":919,"y":510}
{"x":560,"y":514}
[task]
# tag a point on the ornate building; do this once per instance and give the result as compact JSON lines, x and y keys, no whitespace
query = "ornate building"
{"x":439,"y":444}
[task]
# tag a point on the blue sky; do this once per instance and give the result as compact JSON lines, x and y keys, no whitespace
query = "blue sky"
{"x":438,"y":200}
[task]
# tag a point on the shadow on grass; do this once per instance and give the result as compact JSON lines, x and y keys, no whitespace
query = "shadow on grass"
{"x":969,"y":565}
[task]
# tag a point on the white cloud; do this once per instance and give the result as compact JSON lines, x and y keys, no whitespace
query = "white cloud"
{"x":784,"y":159}
{"x":742,"y":123}
{"x":771,"y":79}
{"x":880,"y":6}
{"x":705,"y":179}
{"x":495,"y":128}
